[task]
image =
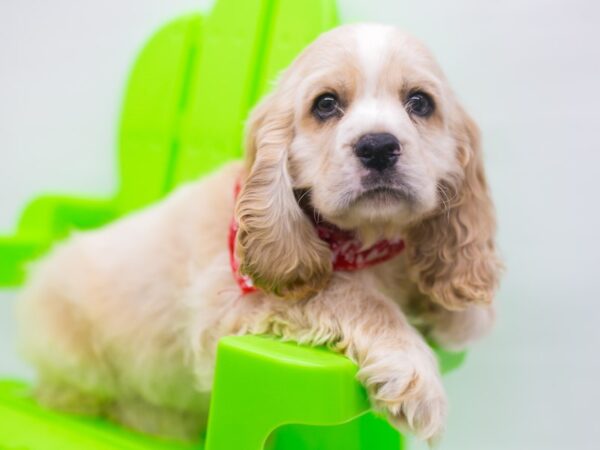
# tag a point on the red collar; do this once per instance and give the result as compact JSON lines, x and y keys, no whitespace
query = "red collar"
{"x":347,"y":253}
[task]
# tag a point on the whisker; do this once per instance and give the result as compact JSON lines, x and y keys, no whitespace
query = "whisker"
{"x":446,"y":200}
{"x":316,"y":216}
{"x":304,"y":194}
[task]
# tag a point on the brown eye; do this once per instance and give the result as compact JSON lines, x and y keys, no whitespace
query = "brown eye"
{"x":326,"y":106}
{"x":419,"y":104}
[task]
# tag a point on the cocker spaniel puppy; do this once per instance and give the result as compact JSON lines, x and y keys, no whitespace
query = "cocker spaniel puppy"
{"x":362,"y":220}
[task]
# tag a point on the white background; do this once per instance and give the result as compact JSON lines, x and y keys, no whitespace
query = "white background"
{"x":528,"y":70}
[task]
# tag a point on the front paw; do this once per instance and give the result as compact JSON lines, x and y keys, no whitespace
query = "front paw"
{"x":407,"y":385}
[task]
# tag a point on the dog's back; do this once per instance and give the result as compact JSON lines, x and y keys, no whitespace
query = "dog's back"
{"x":105,"y":317}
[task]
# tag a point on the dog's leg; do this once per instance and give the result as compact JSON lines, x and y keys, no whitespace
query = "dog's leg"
{"x":55,"y":337}
{"x":396,"y":365}
{"x":67,"y":398}
{"x":142,"y":416}
{"x":456,"y":330}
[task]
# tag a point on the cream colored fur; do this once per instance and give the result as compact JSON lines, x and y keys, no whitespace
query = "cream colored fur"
{"x":124,"y":321}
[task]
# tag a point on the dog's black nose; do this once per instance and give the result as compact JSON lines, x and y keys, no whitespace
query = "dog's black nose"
{"x":377,"y":151}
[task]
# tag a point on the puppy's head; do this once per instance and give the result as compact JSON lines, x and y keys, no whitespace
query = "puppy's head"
{"x":364,"y":125}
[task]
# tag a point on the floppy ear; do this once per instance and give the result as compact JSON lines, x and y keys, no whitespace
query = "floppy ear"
{"x":277,"y":245}
{"x":452,"y":253}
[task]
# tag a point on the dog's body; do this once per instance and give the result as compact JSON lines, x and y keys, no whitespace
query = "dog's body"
{"x":124,"y":321}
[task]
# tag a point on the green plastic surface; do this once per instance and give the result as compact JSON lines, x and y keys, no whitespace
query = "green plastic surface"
{"x":26,"y":426}
{"x":185,"y":104}
{"x":267,"y":394}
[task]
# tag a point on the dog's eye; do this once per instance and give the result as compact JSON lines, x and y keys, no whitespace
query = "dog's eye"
{"x":420,"y":104}
{"x":326,"y":106}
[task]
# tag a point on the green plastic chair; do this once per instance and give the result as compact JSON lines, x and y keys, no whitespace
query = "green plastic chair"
{"x":189,"y":93}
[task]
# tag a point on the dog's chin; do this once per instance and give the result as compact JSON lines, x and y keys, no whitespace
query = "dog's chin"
{"x":378,"y":207}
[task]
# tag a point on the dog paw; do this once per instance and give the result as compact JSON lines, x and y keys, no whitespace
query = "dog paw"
{"x":407,"y":386}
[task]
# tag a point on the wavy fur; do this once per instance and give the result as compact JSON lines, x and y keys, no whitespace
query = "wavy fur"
{"x":272,"y":227}
{"x":452,"y":253}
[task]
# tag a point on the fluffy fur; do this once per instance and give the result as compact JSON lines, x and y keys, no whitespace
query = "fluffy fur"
{"x":124,"y":321}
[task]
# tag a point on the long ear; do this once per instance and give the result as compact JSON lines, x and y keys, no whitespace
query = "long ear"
{"x":452,"y":253}
{"x":277,"y":245}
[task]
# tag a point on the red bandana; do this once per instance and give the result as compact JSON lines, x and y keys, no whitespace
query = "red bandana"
{"x":347,"y":252}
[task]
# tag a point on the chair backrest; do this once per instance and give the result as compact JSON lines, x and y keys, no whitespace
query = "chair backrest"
{"x":185,"y":104}
{"x":194,"y":83}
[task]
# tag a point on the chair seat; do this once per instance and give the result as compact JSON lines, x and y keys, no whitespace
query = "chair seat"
{"x":269,"y":392}
{"x":266,"y":394}
{"x":24,"y":425}
{"x":260,"y":385}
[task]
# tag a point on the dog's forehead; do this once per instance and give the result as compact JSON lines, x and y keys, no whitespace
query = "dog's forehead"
{"x":371,"y":49}
{"x":372,"y":44}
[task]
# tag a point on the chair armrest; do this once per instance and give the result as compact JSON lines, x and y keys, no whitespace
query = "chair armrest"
{"x":44,"y":221}
{"x":302,"y":397}
{"x":53,"y":216}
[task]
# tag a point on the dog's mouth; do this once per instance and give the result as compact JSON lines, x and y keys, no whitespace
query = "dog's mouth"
{"x":385,"y":194}
{"x":382,"y":197}
{"x":303,"y":198}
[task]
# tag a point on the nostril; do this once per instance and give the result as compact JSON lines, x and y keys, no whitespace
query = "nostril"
{"x":377,"y":151}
